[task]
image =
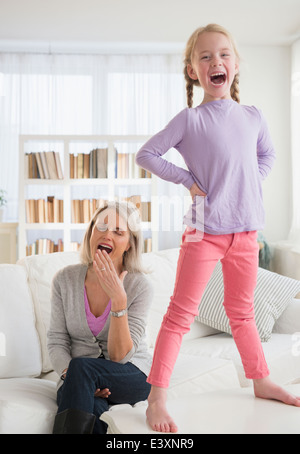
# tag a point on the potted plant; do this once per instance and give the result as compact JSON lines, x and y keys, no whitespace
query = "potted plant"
{"x":3,"y":202}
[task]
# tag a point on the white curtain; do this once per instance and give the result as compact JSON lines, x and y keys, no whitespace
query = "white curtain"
{"x":85,"y":94}
{"x":295,"y":130}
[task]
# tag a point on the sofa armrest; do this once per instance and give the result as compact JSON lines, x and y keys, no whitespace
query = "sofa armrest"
{"x":289,"y":321}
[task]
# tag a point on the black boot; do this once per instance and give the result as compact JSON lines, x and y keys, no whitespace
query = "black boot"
{"x":74,"y":422}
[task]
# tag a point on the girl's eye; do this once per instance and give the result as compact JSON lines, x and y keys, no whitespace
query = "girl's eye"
{"x":206,"y":57}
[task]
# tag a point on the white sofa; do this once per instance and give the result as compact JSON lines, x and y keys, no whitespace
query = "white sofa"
{"x":208,"y":362}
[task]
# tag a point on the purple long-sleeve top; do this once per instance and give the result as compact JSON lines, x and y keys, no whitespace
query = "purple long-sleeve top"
{"x":228,"y":151}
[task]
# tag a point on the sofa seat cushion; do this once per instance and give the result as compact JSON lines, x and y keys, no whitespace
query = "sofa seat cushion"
{"x":198,"y":375}
{"x":281,"y":355}
{"x":234,"y":411}
{"x":27,"y":406}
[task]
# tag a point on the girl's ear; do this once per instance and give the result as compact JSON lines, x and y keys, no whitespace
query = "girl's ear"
{"x":191,"y":72}
{"x":237,"y":67}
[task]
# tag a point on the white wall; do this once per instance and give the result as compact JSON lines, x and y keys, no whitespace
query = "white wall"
{"x":265,"y":83}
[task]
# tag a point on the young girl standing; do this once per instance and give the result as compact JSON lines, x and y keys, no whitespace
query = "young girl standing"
{"x":228,"y":152}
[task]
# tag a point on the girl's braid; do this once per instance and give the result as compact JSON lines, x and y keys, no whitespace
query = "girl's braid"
{"x":235,"y":89}
{"x":189,"y":88}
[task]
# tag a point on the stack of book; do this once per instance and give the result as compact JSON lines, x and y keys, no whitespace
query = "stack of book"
{"x":83,"y":210}
{"x":43,"y":211}
{"x":44,"y":246}
{"x":43,"y":164}
{"x":89,"y":165}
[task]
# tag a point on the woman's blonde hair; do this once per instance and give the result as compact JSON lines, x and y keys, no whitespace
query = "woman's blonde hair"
{"x":130,"y":213}
{"x":189,"y":51}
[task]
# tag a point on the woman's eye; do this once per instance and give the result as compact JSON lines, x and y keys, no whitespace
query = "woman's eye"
{"x":101,"y":227}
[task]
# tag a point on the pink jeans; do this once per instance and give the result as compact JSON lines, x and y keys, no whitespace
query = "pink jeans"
{"x":239,"y":257}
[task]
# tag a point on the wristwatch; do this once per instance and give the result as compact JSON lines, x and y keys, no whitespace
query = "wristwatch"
{"x":119,"y":314}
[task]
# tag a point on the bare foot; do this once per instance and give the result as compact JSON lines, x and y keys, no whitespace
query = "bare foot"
{"x":265,"y":389}
{"x":157,"y":415}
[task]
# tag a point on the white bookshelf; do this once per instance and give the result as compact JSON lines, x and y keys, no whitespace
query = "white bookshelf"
{"x":108,"y":188}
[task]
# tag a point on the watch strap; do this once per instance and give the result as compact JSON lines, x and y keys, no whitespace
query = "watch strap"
{"x":119,"y":313}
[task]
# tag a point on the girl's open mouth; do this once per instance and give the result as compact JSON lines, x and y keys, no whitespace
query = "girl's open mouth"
{"x":218,"y":79}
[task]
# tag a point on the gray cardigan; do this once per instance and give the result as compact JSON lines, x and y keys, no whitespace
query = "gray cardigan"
{"x":69,"y":335}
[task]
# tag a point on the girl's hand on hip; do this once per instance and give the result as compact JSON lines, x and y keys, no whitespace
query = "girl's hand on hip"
{"x":195,"y":190}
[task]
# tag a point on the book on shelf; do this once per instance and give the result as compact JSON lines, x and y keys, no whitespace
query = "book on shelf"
{"x":43,"y":165}
{"x":127,"y":168}
{"x":44,"y":246}
{"x":44,"y":211}
{"x":89,"y":165}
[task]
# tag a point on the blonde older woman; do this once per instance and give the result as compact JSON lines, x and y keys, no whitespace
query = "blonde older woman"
{"x":96,"y":339}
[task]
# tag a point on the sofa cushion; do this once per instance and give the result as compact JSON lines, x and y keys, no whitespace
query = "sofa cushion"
{"x":272,"y":295}
{"x":27,"y":406}
{"x":41,"y":270}
{"x":20,"y":352}
{"x":198,"y":375}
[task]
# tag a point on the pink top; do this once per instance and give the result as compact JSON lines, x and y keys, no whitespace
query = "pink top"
{"x":96,"y":324}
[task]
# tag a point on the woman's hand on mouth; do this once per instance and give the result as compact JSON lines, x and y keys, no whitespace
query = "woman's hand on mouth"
{"x":110,"y":281}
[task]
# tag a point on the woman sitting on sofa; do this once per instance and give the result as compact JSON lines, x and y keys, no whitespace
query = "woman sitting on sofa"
{"x":97,"y":340}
